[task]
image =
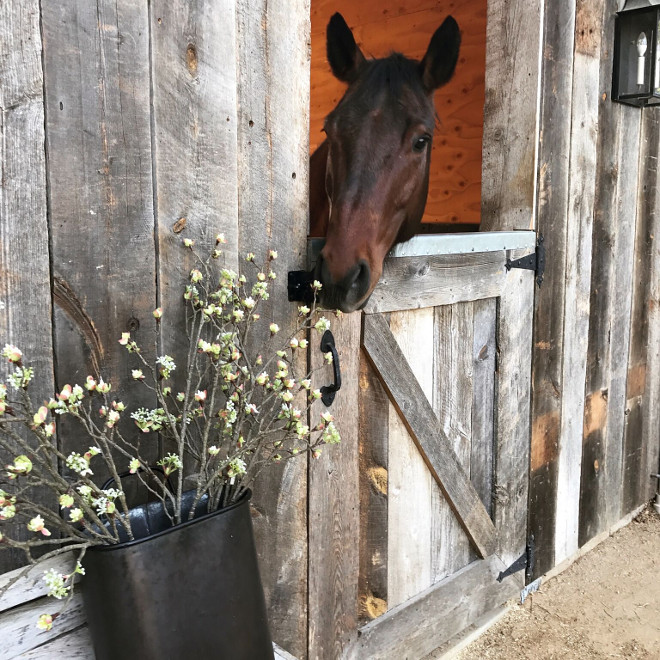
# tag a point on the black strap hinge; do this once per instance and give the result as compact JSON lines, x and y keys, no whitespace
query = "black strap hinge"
{"x":524,"y":562}
{"x":534,"y":261}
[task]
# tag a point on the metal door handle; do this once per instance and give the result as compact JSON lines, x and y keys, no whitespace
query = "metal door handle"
{"x":328,"y":391}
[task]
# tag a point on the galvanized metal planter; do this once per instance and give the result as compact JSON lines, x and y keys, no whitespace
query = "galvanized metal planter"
{"x":190,"y":591}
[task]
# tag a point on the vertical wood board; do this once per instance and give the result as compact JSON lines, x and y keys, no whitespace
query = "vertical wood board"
{"x":272,"y":41}
{"x":452,"y":402}
{"x":553,"y":202}
{"x":334,"y":508}
{"x":510,"y":114}
{"x":410,"y":486}
{"x":25,"y":303}
{"x":194,"y":60}
{"x":581,"y":195}
{"x":483,"y":393}
{"x":640,"y":448}
{"x":96,"y":65}
{"x":615,"y":209}
{"x":651,"y":456}
{"x":373,"y":415}
{"x":512,"y":414}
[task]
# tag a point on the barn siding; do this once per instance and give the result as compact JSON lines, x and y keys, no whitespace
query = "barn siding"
{"x":593,"y":445}
{"x":98,"y":136}
{"x":135,"y":120}
{"x":273,"y":152}
{"x":23,"y":202}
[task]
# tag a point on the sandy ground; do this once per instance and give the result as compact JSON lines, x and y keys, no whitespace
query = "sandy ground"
{"x":606,"y":605}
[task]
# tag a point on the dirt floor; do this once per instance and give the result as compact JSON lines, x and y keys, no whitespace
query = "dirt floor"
{"x":606,"y":605}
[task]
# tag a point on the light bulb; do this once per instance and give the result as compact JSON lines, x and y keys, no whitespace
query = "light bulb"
{"x":642,"y":45}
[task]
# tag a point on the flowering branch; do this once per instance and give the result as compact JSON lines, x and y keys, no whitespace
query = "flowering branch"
{"x":237,"y":413}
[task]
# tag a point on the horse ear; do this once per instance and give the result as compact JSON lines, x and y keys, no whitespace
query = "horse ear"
{"x":439,"y":63}
{"x":344,"y":56}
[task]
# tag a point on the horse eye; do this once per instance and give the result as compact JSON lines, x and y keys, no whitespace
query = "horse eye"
{"x":419,"y":143}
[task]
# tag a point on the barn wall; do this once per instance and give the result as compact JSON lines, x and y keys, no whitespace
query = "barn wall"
{"x":132,"y":126}
{"x":595,"y":402}
{"x":386,"y":26}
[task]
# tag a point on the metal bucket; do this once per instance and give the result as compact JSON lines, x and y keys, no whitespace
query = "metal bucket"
{"x":190,"y":591}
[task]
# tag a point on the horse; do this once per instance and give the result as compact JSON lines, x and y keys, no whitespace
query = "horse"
{"x":369,"y":178}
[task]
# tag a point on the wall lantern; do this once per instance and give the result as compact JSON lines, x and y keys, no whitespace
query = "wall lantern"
{"x":636,"y":76}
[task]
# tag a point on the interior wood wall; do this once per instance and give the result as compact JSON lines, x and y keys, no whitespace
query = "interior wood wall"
{"x":596,"y":378}
{"x":383,"y":27}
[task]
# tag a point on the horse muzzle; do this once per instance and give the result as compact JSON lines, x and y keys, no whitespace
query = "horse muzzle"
{"x":348,"y":293}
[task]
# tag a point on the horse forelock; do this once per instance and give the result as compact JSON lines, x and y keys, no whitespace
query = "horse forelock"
{"x":393,"y":84}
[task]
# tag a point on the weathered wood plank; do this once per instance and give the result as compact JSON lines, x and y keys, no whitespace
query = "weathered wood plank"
{"x":334,"y":512}
{"x":97,"y":82}
{"x":554,"y":152}
{"x":406,"y":394}
{"x":77,"y":645}
{"x":483,"y":393}
{"x":641,"y":428}
{"x":410,"y":512}
{"x":31,"y":585}
{"x":651,"y":456}
{"x":273,"y":137}
{"x":19,"y":626}
{"x":194,"y":56}
{"x":510,"y":114}
{"x":373,"y":407}
{"x":25,"y":304}
{"x":416,"y":282}
{"x":416,"y":627}
{"x":577,"y":278}
{"x":512,"y":397}
{"x":615,"y":210}
{"x":452,"y":402}
{"x":621,"y":286}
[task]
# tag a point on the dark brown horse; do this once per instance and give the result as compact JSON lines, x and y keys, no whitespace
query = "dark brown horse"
{"x":369,"y":178}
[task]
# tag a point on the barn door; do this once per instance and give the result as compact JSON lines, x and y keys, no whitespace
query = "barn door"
{"x":444,"y":379}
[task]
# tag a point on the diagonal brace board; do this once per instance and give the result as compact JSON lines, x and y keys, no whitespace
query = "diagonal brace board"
{"x":422,"y":423}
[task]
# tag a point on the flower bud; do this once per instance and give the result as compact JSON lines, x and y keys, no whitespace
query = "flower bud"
{"x":12,"y":353}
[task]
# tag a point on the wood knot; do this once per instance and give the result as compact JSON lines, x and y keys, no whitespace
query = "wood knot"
{"x":374,"y":607}
{"x":378,"y":478}
{"x":423,"y":269}
{"x":179,"y":225}
{"x":191,"y":59}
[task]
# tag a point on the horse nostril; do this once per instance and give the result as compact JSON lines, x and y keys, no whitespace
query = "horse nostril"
{"x":360,"y":277}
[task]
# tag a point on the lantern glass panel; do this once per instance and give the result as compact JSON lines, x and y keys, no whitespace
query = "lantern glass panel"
{"x":637,"y":33}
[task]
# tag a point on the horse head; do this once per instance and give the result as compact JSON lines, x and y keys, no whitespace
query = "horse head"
{"x":369,"y":178}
